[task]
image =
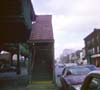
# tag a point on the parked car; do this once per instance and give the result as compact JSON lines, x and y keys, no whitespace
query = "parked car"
{"x":70,"y":64}
{"x":58,"y":69}
{"x":58,"y":72}
{"x":91,"y":67}
{"x":73,"y":75}
{"x":91,"y":82}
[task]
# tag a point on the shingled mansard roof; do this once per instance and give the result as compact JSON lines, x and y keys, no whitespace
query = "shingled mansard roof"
{"x":42,"y":30}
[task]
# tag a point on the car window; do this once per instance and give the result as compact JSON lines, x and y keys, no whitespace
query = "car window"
{"x":78,"y":71}
{"x":63,"y":71}
{"x":61,"y":66}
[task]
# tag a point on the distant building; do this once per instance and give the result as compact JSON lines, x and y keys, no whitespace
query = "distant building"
{"x":84,"y":59}
{"x":65,"y":56}
{"x":72,"y":57}
{"x":83,"y":53}
{"x":92,"y":47}
{"x":76,"y":57}
{"x":67,"y":51}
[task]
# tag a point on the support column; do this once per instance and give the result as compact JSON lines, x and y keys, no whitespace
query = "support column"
{"x":11,"y":62}
{"x":18,"y":59}
{"x":30,"y":63}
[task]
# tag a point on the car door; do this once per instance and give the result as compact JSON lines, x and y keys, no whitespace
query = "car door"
{"x":91,"y":82}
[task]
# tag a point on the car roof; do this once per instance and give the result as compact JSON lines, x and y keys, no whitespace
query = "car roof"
{"x":94,"y":72}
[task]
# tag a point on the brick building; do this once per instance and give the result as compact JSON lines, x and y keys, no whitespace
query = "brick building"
{"x":92,"y":47}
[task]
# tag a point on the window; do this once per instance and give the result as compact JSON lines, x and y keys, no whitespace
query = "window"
{"x":93,"y":50}
{"x":92,"y":41}
{"x":88,"y":43}
{"x":98,"y":49}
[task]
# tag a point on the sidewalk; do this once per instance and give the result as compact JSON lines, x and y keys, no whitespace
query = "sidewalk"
{"x":12,"y":81}
{"x":42,"y":85}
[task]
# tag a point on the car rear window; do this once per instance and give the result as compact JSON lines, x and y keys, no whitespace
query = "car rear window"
{"x":78,"y":71}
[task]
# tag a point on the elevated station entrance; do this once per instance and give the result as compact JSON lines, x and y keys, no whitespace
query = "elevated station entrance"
{"x":43,"y":49}
{"x":43,"y":62}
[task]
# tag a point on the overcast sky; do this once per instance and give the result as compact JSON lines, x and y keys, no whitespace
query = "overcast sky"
{"x":72,"y":20}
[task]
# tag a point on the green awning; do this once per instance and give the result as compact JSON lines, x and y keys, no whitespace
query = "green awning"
{"x":24,"y":49}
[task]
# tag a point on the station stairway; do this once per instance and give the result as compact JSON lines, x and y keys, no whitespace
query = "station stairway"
{"x":42,"y":85}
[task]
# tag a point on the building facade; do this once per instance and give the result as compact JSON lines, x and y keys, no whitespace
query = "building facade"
{"x":92,"y":47}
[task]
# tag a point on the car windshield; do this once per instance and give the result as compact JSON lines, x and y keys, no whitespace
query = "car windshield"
{"x":78,"y":71}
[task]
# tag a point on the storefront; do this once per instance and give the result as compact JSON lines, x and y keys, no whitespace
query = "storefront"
{"x":96,"y":59}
